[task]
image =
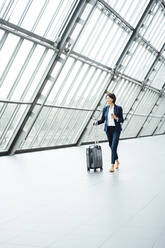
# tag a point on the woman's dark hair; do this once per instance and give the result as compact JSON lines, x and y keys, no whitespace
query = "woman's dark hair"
{"x":112,"y":96}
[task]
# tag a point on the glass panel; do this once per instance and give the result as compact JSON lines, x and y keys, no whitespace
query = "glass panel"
{"x":161,"y":127}
{"x":154,"y":31}
{"x":10,"y":121}
{"x":163,"y":53}
{"x":158,"y":77}
{"x":130,"y":10}
{"x":142,"y":107}
{"x":155,"y":117}
{"x":138,"y":62}
{"x":93,"y":133}
{"x":23,"y":68}
{"x":100,"y":36}
{"x":44,"y":17}
{"x":159,"y":108}
{"x":1,"y":34}
{"x":149,"y":126}
{"x":125,"y":92}
{"x":3,"y":5}
{"x":78,"y":85}
{"x":6,"y":54}
{"x":147,"y":102}
{"x":65,"y":129}
{"x":133,"y":127}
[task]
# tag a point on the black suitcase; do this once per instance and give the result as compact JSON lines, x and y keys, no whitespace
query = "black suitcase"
{"x":94,"y":154}
{"x":94,"y":157}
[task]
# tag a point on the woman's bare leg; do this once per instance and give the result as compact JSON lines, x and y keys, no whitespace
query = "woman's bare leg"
{"x":112,"y":168}
{"x":117,"y":164}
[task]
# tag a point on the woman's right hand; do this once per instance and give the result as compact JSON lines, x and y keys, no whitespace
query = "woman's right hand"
{"x":94,"y":123}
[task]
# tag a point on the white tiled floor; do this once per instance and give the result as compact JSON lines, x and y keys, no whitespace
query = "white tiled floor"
{"x":48,"y":200}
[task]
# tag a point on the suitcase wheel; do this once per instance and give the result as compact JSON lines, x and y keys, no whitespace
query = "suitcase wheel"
{"x":95,"y":170}
{"x":88,"y":169}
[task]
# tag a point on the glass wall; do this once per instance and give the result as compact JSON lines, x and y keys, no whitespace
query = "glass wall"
{"x":58,"y":58}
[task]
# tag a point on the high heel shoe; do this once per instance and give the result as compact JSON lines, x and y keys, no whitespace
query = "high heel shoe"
{"x":111,"y":169}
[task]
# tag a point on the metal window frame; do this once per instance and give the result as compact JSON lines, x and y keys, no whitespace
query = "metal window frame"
{"x":25,"y":34}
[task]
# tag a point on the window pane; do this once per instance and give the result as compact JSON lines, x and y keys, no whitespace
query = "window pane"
{"x":133,"y":127}
{"x":44,"y":17}
{"x":24,"y":64}
{"x":154,"y":27}
{"x":11,"y":116}
{"x":155,"y":118}
{"x":161,"y":127}
{"x":130,"y":10}
{"x":100,"y":36}
{"x":79,"y":84}
{"x":62,"y":131}
{"x":139,"y":60}
{"x":157,"y":76}
{"x":147,"y":102}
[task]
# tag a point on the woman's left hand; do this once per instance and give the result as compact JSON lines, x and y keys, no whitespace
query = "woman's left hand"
{"x":114,"y":117}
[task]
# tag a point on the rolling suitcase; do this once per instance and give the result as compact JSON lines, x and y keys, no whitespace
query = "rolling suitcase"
{"x":94,"y":157}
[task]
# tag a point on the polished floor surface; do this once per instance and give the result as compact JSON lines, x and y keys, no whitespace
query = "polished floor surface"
{"x":48,"y":200}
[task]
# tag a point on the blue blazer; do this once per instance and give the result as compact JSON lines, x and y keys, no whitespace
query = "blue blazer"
{"x":118,"y":111}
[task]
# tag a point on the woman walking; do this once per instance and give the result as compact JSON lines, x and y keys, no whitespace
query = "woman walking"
{"x":112,"y":116}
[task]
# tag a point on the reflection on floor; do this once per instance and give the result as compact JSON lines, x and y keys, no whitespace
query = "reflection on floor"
{"x":47,"y":199}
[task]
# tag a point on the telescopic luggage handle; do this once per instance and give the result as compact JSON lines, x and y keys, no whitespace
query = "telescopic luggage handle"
{"x":95,"y":135}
